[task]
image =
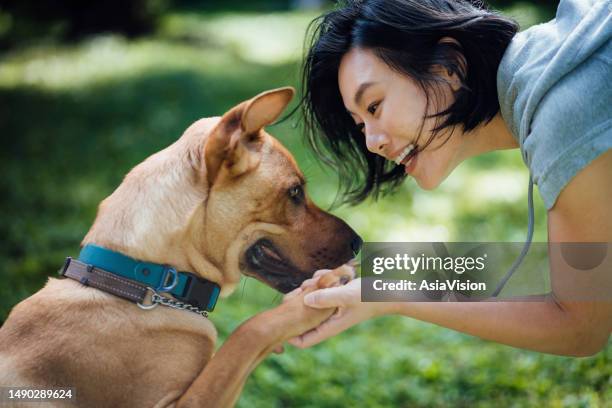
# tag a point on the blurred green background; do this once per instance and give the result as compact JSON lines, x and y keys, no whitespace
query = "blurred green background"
{"x":89,"y":89}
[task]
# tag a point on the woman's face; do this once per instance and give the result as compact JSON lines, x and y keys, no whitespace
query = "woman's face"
{"x":389,"y":107}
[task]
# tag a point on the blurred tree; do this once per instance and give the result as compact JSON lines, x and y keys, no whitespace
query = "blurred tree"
{"x":233,"y":5}
{"x":547,"y":8}
{"x":307,"y":4}
{"x":23,"y":21}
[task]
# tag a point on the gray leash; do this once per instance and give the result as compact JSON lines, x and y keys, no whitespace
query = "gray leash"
{"x":520,"y":258}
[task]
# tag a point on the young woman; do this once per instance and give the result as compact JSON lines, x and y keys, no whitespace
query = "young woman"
{"x":397,"y":88}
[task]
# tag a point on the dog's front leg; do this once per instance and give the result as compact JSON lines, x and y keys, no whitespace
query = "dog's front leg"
{"x":221,"y":381}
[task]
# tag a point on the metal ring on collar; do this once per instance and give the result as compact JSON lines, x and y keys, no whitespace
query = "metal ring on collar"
{"x":175,"y":279}
{"x":151,"y":305}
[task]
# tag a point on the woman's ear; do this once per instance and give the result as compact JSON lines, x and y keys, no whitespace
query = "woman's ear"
{"x":455,"y":70}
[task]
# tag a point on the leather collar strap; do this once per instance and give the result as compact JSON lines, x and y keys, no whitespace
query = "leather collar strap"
{"x":113,"y":266}
{"x":97,"y":278}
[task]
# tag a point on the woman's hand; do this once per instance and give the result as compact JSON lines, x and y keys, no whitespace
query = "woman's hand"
{"x":350,"y":310}
{"x":293,"y":316}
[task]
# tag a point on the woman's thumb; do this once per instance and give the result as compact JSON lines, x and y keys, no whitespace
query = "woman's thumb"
{"x":325,"y":298}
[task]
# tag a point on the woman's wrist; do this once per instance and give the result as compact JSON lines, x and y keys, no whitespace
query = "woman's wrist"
{"x":387,"y":308}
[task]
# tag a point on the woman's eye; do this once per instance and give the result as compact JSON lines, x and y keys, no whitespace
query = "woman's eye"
{"x":296,"y":194}
{"x":372,"y":107}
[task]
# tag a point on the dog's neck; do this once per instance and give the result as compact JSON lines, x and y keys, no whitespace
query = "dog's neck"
{"x":153,"y":215}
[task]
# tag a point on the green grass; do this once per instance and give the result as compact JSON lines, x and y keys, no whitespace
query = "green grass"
{"x":75,"y":119}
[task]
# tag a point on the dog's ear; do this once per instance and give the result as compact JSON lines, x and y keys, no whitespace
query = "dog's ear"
{"x":265,"y":108}
{"x":236,"y":141}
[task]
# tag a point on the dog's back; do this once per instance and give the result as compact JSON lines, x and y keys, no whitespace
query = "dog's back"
{"x":67,"y":335}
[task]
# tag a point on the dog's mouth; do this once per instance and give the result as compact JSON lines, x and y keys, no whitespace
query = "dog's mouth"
{"x":268,"y":265}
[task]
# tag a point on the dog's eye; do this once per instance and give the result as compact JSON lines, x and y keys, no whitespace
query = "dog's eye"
{"x":296,"y":194}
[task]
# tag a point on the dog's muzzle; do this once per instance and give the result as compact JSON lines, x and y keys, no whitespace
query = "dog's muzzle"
{"x":267,"y":263}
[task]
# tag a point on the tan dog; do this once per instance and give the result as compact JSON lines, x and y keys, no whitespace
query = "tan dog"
{"x":226,"y":199}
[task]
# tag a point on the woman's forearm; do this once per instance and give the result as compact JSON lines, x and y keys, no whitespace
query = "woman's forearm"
{"x":540,"y":324}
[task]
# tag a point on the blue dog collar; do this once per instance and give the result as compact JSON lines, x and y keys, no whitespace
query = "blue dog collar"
{"x":184,"y":286}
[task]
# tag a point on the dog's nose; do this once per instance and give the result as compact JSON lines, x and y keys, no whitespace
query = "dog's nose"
{"x":356,"y":243}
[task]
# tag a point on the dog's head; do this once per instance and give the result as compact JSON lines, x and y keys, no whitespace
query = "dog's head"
{"x":227,"y":199}
{"x":258,"y":193}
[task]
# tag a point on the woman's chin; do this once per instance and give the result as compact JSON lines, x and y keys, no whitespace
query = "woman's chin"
{"x":427,"y":183}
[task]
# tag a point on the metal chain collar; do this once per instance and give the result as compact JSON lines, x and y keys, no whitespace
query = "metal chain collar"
{"x":175,"y":304}
{"x":157,"y":299}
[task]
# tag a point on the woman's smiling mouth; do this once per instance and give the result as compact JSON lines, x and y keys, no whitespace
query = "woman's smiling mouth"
{"x":407,"y":158}
{"x":404,"y":153}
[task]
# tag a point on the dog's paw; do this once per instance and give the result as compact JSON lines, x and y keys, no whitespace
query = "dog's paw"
{"x":335,"y":277}
{"x":327,"y":278}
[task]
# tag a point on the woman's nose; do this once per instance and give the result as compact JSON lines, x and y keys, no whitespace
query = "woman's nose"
{"x":376,"y":142}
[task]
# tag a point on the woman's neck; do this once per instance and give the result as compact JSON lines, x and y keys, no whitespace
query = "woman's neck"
{"x":495,"y":135}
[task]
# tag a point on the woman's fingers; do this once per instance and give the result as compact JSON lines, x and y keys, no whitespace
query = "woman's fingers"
{"x":325,"y":298}
{"x":349,"y":311}
{"x":325,"y":330}
{"x":336,"y":296}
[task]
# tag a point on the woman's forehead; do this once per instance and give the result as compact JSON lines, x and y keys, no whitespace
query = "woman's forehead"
{"x":359,"y":63}
{"x":359,"y":67}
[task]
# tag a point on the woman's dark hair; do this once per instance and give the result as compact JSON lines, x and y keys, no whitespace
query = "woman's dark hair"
{"x":406,"y":35}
